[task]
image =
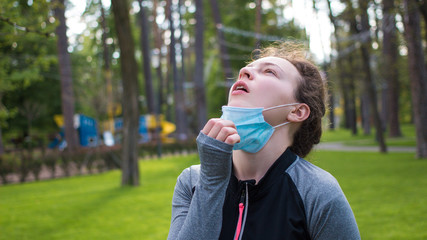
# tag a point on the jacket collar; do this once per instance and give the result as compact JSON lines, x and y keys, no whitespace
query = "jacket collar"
{"x":273,"y":174}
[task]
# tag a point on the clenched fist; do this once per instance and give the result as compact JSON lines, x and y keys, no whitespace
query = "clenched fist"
{"x":222,"y":130}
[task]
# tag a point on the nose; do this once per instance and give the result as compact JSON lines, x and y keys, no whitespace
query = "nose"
{"x":246,"y":72}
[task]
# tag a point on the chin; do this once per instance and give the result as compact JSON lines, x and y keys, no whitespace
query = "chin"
{"x":240,"y":104}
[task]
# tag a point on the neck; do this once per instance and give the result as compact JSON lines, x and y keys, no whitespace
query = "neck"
{"x":255,"y":165}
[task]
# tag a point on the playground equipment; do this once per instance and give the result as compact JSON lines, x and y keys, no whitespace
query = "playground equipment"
{"x":89,"y":136}
{"x":87,"y":130}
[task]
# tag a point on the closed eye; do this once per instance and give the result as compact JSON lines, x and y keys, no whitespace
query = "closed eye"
{"x":269,"y":71}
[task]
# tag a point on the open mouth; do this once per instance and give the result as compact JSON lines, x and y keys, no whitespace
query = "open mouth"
{"x":241,"y":86}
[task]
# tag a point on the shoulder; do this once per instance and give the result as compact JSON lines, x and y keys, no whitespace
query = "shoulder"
{"x":308,"y":178}
{"x":316,"y":186}
{"x":184,"y":185}
{"x":327,"y":210}
{"x":189,"y":176}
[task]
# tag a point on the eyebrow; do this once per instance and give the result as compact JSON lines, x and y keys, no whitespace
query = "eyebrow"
{"x":263,"y":64}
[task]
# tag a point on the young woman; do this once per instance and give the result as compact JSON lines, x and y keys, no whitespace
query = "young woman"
{"x":252,"y":182}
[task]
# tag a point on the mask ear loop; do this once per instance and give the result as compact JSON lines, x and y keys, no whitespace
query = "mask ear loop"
{"x":279,"y":106}
{"x":282,"y":124}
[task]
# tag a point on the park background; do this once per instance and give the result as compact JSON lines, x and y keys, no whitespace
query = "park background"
{"x":97,"y":123}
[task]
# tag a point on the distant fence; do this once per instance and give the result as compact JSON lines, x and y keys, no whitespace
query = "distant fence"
{"x":23,"y":165}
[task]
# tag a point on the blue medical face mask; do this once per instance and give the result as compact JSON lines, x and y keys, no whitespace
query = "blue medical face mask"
{"x":253,"y":130}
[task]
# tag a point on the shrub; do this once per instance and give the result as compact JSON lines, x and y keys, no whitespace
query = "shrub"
{"x":50,"y":161}
{"x":36,"y":167}
{"x":6,"y":167}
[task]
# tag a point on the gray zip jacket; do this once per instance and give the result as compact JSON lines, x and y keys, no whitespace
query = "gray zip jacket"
{"x":200,"y":191}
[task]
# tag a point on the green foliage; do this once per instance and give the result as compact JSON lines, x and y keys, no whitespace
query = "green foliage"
{"x":34,"y":101}
{"x":89,"y":84}
{"x":24,"y":55}
{"x":27,"y":67}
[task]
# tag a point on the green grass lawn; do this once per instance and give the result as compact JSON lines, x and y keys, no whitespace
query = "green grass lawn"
{"x":387,"y":192}
{"x":388,"y":195}
{"x":93,"y":207}
{"x":345,"y":136}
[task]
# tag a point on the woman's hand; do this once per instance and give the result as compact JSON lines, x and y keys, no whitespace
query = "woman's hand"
{"x":222,"y":130}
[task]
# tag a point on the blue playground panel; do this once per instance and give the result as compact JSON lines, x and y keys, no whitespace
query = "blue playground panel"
{"x":143,"y":130}
{"x":88,"y":131}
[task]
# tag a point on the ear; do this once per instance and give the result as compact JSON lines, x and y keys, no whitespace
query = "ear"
{"x":299,"y":113}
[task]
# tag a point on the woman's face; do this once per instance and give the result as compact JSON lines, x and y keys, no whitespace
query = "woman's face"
{"x":266,"y":82}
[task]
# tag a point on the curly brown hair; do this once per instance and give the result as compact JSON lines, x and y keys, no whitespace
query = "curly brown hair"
{"x":311,"y":91}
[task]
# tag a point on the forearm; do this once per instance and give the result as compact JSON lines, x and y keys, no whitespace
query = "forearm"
{"x":198,"y":215}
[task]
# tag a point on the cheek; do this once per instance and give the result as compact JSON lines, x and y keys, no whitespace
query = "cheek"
{"x":278,"y":92}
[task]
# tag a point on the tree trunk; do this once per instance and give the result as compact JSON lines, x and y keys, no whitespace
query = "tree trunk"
{"x":199,"y":85}
{"x":158,"y":45}
{"x":181,"y":29}
{"x":1,"y":143}
{"x":129,"y":70}
{"x":146,"y":59}
{"x":423,"y":10}
{"x":107,"y":71}
{"x":364,"y":100}
{"x":160,"y":80}
{"x":225,"y":58}
{"x":330,"y":83}
{"x":1,"y":135}
{"x":331,"y":97}
{"x":352,"y":113}
{"x":390,"y":68}
{"x":364,"y":103}
{"x":376,"y":6}
{"x":364,"y":113}
{"x":369,"y":84}
{"x":146,"y":54}
{"x":258,"y":16}
{"x":347,"y":94}
{"x":180,"y":118}
{"x":417,"y":73}
{"x":384,"y":112}
{"x":346,"y":83}
{"x":67,"y":96}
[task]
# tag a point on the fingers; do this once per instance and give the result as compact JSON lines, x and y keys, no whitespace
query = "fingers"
{"x":207,"y":128}
{"x":221,"y":130}
{"x":226,"y":133}
{"x":232,"y":139}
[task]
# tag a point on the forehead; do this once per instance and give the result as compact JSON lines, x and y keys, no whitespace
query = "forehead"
{"x":283,"y":64}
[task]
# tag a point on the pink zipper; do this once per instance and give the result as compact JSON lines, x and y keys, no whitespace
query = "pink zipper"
{"x":239,"y":223}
